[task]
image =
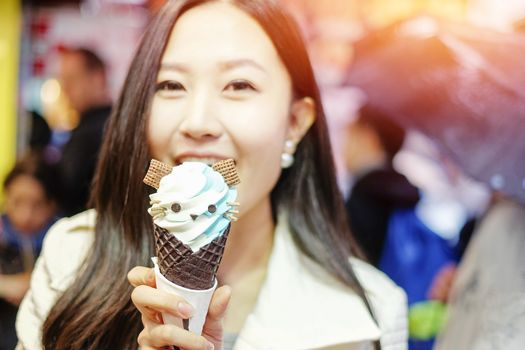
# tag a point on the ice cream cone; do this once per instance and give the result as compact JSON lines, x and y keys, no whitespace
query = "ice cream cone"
{"x":188,"y":269}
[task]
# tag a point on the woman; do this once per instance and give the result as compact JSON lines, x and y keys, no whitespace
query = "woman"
{"x":202,"y":89}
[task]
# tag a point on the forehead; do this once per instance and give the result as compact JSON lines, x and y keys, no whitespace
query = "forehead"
{"x":26,"y":186}
{"x":219,"y":31}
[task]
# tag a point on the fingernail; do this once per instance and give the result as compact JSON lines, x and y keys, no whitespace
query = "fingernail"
{"x":210,"y":346}
{"x":185,"y":309}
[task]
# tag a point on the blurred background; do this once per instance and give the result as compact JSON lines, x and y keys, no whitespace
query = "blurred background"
{"x":425,"y":101}
{"x":33,"y":33}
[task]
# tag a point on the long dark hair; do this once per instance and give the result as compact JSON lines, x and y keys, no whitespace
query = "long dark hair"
{"x":96,"y":311}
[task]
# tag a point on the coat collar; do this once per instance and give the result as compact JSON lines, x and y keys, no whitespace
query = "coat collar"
{"x":301,"y":306}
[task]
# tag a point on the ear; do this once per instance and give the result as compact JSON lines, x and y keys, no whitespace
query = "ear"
{"x":302,"y":117}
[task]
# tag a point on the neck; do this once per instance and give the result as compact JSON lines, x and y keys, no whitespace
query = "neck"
{"x":249,"y":243}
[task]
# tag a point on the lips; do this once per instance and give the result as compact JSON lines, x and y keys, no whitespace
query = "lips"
{"x":208,"y":159}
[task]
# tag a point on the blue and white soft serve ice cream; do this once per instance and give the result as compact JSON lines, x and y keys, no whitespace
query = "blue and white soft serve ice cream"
{"x":194,"y":203}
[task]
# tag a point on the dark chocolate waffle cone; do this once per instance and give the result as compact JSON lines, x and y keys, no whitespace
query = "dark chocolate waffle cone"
{"x":181,"y":266}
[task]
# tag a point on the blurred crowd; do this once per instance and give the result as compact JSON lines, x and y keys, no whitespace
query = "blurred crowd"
{"x":40,"y":189}
{"x":445,"y":224}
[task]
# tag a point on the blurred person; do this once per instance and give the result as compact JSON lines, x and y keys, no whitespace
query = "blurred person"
{"x":451,"y":200}
{"x":83,"y":78}
{"x":487,"y":298}
{"x":30,"y":191}
{"x":382,"y":207}
{"x":452,"y":203}
{"x":371,"y":143}
{"x":382,"y":213}
{"x":39,"y":132}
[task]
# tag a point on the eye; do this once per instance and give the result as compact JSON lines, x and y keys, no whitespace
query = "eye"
{"x":212,"y":208}
{"x":176,"y":207}
{"x":169,"y":88}
{"x":240,"y":85}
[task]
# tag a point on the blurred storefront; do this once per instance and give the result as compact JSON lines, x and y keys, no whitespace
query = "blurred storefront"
{"x":34,"y":31}
{"x":31,"y":36}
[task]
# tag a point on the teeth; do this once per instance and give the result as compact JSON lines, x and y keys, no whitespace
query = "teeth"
{"x":207,"y":161}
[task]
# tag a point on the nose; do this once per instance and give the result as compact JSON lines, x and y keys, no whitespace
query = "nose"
{"x":194,"y":217}
{"x":23,"y":218}
{"x":199,"y":121}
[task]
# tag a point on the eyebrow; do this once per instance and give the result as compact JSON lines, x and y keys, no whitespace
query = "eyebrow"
{"x":174,"y":67}
{"x":226,"y":65}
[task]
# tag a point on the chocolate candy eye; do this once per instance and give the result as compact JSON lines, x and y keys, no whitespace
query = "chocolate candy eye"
{"x":212,"y":208}
{"x":176,"y":207}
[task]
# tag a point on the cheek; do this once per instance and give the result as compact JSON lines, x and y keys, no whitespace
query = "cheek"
{"x":259,"y":126}
{"x":41,"y":218}
{"x":161,"y":126}
{"x":15,"y":218}
{"x":259,"y":140}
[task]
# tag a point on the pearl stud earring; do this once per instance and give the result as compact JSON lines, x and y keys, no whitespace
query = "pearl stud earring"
{"x":287,"y":157}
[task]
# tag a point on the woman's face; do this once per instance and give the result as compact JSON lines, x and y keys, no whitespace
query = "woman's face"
{"x":223,"y":92}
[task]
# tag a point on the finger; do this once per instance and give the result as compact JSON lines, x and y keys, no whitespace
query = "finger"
{"x":143,"y":337}
{"x":147,"y":299}
{"x":219,"y":303}
{"x":140,"y":275}
{"x":150,"y":314}
{"x":143,"y":340}
{"x":164,"y":335}
{"x":150,"y":321}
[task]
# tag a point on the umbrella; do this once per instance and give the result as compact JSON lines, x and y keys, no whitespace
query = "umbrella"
{"x":463,"y":87}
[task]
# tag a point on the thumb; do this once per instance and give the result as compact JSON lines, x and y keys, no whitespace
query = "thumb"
{"x":219,"y":303}
{"x":216,"y":311}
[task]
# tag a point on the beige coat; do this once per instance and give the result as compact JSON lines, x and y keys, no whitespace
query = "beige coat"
{"x":284,"y":316}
